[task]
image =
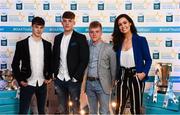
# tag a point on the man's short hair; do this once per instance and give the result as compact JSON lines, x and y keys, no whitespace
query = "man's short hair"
{"x":38,"y":21}
{"x":68,"y":15}
{"x":95,"y":24}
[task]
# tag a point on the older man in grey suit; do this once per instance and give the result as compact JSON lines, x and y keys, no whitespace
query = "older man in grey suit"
{"x":100,"y":72}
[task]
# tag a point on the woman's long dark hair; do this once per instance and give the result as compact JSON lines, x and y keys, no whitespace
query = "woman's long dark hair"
{"x":118,"y":36}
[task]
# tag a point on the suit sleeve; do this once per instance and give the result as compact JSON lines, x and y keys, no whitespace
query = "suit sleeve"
{"x":146,"y":56}
{"x":54,"y":56}
{"x":83,"y":86}
{"x":16,"y":63}
{"x":112,"y":58}
{"x":84,"y":58}
{"x":50,"y":62}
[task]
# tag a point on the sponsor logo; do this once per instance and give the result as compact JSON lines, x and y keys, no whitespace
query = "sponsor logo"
{"x":73,"y":5}
{"x":3,"y":17}
{"x":46,"y":5}
{"x":101,"y":5}
{"x":19,"y":5}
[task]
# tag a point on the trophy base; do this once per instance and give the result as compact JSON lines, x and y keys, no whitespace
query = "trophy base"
{"x":162,"y":89}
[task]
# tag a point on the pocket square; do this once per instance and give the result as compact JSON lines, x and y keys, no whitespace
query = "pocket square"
{"x":73,"y":44}
{"x":23,"y":69}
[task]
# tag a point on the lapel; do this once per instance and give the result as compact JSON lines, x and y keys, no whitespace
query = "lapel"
{"x":72,"y":39}
{"x":59,"y":44}
{"x":135,"y":47}
{"x":26,"y":48}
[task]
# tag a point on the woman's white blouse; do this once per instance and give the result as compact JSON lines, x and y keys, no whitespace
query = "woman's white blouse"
{"x":127,"y":58}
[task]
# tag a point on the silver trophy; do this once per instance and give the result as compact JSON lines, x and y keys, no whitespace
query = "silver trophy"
{"x":163,"y":73}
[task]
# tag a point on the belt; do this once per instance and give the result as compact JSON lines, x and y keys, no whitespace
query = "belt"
{"x":131,"y":70}
{"x":92,"y":78}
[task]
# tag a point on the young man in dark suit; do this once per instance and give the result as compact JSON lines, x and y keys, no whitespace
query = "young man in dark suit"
{"x":32,"y":67}
{"x":70,"y":58}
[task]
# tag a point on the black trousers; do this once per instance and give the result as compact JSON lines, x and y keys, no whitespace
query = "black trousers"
{"x":26,"y":94}
{"x":130,"y":86}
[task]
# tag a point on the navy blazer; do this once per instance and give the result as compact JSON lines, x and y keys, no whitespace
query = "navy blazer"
{"x":142,"y":55}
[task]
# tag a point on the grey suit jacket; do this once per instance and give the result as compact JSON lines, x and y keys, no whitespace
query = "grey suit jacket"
{"x":106,"y":67}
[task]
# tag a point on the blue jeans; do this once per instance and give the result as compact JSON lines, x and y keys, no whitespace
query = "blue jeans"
{"x":26,"y":94}
{"x":66,"y":89}
{"x":96,"y":95}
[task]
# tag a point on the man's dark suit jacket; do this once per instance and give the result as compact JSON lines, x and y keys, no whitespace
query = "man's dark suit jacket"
{"x":77,"y":55}
{"x":22,"y":57}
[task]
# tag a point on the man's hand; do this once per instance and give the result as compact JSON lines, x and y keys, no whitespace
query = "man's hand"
{"x":114,"y":82}
{"x":47,"y":81}
{"x":23,"y":83}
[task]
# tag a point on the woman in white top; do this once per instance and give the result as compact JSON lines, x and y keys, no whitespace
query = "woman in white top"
{"x":133,"y":63}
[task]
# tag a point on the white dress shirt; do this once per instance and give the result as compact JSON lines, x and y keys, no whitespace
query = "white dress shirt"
{"x":63,"y":70}
{"x":36,"y":51}
{"x":127,"y":58}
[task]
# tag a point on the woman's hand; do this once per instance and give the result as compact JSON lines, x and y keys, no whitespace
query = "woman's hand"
{"x":141,"y":75}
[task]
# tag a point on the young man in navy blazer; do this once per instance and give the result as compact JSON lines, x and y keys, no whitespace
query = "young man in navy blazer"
{"x":70,"y":58}
{"x":32,"y":67}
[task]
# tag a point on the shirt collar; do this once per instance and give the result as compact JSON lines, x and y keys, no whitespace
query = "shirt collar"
{"x":69,"y":35}
{"x":97,"y":44}
{"x":33,"y":40}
